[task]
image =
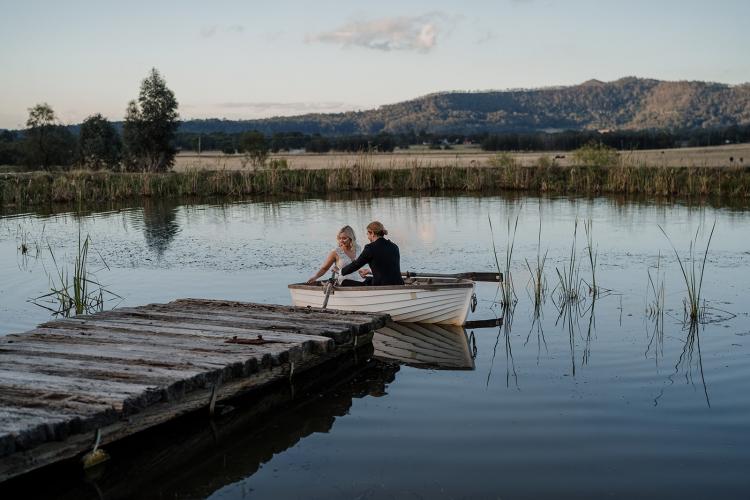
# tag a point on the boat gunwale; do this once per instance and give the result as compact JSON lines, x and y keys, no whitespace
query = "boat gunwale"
{"x":373,"y":288}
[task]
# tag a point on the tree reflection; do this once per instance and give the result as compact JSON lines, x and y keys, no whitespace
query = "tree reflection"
{"x":160,"y":224}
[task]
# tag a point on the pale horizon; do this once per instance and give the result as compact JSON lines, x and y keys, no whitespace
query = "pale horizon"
{"x":230,"y":60}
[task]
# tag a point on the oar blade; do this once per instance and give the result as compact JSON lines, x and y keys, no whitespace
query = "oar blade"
{"x":491,"y":277}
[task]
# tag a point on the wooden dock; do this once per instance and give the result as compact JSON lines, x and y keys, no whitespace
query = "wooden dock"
{"x":119,"y":372}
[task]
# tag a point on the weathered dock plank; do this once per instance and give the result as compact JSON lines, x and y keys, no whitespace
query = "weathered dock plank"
{"x":122,"y":371}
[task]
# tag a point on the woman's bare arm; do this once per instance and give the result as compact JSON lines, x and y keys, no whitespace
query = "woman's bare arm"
{"x":324,"y":268}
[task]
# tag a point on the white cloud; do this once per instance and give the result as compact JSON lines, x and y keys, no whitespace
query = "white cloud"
{"x":418,"y":33}
{"x":216,"y":29}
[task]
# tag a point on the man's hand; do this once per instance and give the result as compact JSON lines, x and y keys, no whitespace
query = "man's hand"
{"x":364,"y":272}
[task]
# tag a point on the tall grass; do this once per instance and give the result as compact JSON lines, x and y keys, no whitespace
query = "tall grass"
{"x":75,"y":293}
{"x":508,"y":296}
{"x":24,"y":189}
{"x":538,"y":280}
{"x":588,"y":228}
{"x":569,"y":284}
{"x":692,"y":273}
{"x":655,"y":310}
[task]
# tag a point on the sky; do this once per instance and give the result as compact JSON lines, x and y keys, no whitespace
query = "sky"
{"x":253,"y":59}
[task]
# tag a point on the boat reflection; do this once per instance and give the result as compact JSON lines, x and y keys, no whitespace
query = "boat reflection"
{"x":444,"y":347}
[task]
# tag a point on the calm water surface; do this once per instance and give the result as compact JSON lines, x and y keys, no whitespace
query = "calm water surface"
{"x":589,"y":402}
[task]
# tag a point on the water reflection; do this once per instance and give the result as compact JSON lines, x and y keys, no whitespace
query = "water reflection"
{"x":202,"y":456}
{"x":538,"y":328}
{"x":570,"y":313}
{"x":424,"y":345}
{"x":505,"y":330}
{"x":690,"y":361}
{"x":160,"y":224}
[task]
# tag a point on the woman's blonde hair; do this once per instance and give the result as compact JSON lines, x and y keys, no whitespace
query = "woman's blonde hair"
{"x":377,"y":228}
{"x":349,"y":233}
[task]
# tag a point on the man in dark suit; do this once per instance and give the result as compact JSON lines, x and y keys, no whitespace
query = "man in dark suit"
{"x":382,"y":255}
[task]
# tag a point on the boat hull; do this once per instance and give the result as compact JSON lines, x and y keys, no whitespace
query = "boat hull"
{"x":445,"y":303}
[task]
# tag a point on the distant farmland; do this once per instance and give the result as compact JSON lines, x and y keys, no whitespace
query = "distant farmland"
{"x":717,"y":156}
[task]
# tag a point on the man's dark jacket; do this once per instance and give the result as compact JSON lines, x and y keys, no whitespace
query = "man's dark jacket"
{"x":384,"y":259}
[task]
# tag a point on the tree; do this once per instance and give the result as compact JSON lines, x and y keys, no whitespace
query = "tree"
{"x":254,"y":147}
{"x":150,"y":126}
{"x":99,"y":144}
{"x":47,"y":142}
{"x":39,"y":125}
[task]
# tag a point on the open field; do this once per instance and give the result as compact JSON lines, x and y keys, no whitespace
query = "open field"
{"x":716,"y":156}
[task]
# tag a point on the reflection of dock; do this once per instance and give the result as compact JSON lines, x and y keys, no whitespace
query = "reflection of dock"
{"x":196,"y":457}
{"x":424,"y":345}
{"x":126,"y":370}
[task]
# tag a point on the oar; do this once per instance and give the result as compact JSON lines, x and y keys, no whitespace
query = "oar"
{"x":329,"y":288}
{"x":473,"y":276}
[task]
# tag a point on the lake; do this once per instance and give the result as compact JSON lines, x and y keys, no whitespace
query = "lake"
{"x":582,"y":399}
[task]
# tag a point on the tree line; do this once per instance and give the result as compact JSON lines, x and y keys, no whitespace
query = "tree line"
{"x":149,"y":138}
{"x":569,"y":140}
{"x":147,"y":141}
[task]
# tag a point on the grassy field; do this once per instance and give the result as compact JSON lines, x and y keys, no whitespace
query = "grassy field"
{"x":461,"y":156}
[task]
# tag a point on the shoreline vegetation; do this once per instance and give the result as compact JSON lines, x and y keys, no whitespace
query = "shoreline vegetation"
{"x":503,"y":173}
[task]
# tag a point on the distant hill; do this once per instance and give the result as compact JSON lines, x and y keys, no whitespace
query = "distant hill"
{"x":628,"y":103}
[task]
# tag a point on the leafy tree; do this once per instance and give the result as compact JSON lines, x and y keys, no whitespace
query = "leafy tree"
{"x":150,"y":126}
{"x":47,"y":143}
{"x":255,"y":148}
{"x":39,"y":126}
{"x":10,"y":148}
{"x":99,"y":144}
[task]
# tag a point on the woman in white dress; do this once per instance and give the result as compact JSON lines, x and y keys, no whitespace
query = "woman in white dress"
{"x":345,"y":252}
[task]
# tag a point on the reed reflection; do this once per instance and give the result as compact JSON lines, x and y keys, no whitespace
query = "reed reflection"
{"x":505,"y":330}
{"x":688,"y":362}
{"x":570,"y":314}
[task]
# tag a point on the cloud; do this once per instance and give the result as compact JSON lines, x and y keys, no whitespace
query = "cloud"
{"x":418,"y":33}
{"x":216,"y":29}
{"x":487,"y":36}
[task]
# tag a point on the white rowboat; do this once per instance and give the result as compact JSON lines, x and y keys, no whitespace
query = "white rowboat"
{"x":420,"y":300}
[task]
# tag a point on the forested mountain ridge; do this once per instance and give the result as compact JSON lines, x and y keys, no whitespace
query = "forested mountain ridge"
{"x":625,"y":104}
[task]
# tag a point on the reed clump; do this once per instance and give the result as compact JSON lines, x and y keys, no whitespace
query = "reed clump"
{"x":508,"y":297}
{"x":569,"y":281}
{"x":692,"y":273}
{"x":538,"y":279}
{"x":75,"y":293}
{"x":26,"y":189}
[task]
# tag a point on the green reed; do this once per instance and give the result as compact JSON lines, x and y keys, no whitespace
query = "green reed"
{"x":507,"y":288}
{"x":692,"y":274}
{"x":538,"y":280}
{"x":78,"y":293}
{"x":31,"y":188}
{"x":588,"y":228}
{"x":569,"y":275}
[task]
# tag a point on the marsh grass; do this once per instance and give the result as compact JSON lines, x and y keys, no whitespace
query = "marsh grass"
{"x":692,"y":273}
{"x":508,"y":296}
{"x":538,"y":280}
{"x":365,"y":174}
{"x":592,"y":254}
{"x":75,"y":293}
{"x":569,"y":280}
{"x":655,"y":290}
